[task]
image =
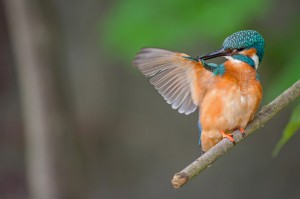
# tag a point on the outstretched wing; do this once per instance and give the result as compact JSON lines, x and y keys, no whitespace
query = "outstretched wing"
{"x":175,"y":76}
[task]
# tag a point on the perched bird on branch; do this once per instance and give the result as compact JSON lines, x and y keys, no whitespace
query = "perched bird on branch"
{"x":227,"y":95}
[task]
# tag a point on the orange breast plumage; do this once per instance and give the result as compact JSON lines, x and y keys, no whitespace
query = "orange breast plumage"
{"x":230,"y":103}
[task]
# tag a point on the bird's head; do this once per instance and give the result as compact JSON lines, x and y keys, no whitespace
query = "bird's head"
{"x":246,"y":45}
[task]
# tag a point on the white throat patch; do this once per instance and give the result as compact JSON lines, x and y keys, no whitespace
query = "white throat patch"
{"x":256,"y":60}
{"x":233,"y":60}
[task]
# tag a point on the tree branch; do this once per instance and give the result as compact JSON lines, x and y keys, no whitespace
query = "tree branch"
{"x":225,"y":145}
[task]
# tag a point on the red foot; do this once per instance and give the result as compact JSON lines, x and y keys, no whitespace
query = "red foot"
{"x":242,"y":132}
{"x":228,"y":136}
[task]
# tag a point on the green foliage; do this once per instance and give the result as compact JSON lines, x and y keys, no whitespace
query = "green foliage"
{"x":289,"y":131}
{"x":133,"y":24}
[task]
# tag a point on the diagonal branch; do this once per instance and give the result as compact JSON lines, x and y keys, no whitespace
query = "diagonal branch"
{"x":225,"y":145}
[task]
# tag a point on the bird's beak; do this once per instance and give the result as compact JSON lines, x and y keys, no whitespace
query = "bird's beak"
{"x":218,"y":53}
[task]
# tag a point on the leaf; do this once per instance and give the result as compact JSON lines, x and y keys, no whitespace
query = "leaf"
{"x":289,"y":131}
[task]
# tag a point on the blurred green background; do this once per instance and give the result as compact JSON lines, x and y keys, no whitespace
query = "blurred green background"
{"x":118,"y":138}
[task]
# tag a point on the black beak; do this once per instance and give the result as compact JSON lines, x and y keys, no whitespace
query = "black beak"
{"x":219,"y":53}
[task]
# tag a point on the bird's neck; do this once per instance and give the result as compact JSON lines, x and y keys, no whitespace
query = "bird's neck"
{"x":252,"y":61}
{"x":239,"y":70}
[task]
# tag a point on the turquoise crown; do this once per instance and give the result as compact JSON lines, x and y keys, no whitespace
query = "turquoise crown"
{"x":246,"y":39}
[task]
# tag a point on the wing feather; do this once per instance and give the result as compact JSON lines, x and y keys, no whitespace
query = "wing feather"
{"x":172,"y":75}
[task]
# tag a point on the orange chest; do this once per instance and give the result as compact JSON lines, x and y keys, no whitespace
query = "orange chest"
{"x":240,"y":79}
{"x":232,"y":99}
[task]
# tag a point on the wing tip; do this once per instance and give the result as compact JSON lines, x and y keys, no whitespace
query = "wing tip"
{"x":161,"y":62}
{"x":138,"y":58}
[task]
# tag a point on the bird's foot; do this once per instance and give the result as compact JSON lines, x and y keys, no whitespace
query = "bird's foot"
{"x":242,"y":131}
{"x":228,"y":136}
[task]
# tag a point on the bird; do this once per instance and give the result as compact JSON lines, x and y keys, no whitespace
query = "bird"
{"x":226,"y":95}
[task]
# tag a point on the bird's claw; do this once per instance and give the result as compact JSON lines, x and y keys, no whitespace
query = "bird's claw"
{"x":228,"y":136}
{"x":242,"y":131}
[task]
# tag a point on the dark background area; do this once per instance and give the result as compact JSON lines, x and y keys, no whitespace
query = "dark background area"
{"x":118,"y":138}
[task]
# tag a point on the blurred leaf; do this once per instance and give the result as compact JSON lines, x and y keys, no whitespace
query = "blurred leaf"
{"x":133,"y":24}
{"x":289,"y":131}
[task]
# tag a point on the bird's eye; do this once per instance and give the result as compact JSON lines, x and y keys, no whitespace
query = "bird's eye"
{"x":240,"y":49}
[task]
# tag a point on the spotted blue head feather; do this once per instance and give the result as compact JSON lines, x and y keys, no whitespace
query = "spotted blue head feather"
{"x":246,"y":39}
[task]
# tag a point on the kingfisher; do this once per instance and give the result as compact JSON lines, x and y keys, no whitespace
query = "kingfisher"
{"x":227,"y":95}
